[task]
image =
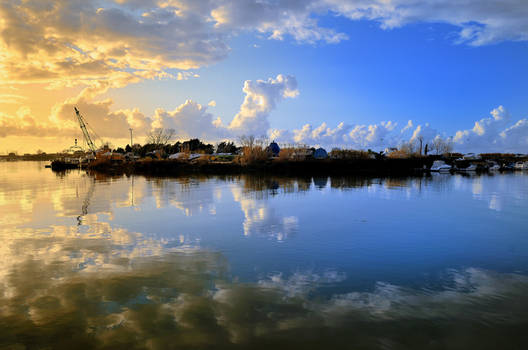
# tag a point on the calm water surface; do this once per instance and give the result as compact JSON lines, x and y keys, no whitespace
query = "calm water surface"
{"x":89,"y":261}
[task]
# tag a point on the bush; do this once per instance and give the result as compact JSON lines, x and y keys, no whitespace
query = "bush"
{"x":337,"y":153}
{"x":399,"y":154}
{"x":253,"y":150}
{"x":295,"y":153}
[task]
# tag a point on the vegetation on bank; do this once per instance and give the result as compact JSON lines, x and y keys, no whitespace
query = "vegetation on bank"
{"x":252,"y":154}
{"x":329,"y":166}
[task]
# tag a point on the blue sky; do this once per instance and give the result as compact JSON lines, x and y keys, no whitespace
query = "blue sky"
{"x":285,"y":69}
{"x":418,"y":72}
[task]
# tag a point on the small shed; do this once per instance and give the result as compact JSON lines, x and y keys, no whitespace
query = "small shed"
{"x":274,"y":149}
{"x":320,"y":153}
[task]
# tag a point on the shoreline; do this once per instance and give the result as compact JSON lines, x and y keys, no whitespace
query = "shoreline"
{"x":372,"y":167}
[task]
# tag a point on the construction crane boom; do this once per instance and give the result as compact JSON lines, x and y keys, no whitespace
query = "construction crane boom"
{"x":85,"y":131}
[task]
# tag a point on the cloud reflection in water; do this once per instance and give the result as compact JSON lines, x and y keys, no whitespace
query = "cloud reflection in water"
{"x":102,"y":284}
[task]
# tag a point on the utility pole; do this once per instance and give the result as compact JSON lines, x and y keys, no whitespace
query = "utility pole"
{"x":130,"y":137}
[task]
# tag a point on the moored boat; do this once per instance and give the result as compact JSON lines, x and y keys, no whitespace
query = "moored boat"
{"x":470,"y":168}
{"x":65,"y":163}
{"x":440,"y":166}
{"x":492,"y":166}
{"x":521,"y":166}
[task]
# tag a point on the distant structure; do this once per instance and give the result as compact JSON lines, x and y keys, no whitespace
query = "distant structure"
{"x":87,"y":138}
{"x":320,"y":153}
{"x":274,"y":149}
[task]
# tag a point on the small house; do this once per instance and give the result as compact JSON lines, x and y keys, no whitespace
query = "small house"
{"x":273,"y":149}
{"x":320,"y":153}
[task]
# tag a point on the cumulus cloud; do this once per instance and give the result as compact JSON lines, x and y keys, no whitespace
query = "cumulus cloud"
{"x":192,"y":119}
{"x":344,"y":135}
{"x":106,"y":123}
{"x":497,"y":133}
{"x":189,"y":120}
{"x":24,"y":123}
{"x":494,"y":133}
{"x":69,"y":42}
{"x":479,"y":22}
{"x":111,"y":44}
{"x":261,"y":98}
{"x":276,"y":19}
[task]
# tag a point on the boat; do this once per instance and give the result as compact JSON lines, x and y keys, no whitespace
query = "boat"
{"x":492,"y":166}
{"x":471,"y":167}
{"x":471,"y":156}
{"x":440,"y":166}
{"x":521,"y":166}
{"x":65,"y":163}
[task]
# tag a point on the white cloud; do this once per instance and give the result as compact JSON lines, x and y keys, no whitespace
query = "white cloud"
{"x":23,"y":123}
{"x":189,"y":120}
{"x":75,"y":42}
{"x":485,"y":134}
{"x":261,"y":98}
{"x":352,"y":136}
{"x":277,"y":19}
{"x":70,"y":42}
{"x":515,"y":138}
{"x":497,"y":133}
{"x":479,"y":22}
{"x":106,"y":123}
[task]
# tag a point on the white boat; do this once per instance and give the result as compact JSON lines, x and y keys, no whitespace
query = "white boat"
{"x":494,"y":167}
{"x":440,"y":166}
{"x":472,"y":167}
{"x":471,"y":156}
{"x":521,"y":166}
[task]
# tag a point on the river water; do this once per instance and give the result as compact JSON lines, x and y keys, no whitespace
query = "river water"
{"x":91,"y":261}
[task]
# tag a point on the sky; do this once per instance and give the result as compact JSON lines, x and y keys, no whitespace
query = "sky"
{"x":361,"y":74}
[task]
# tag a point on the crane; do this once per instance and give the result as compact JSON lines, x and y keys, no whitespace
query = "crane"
{"x":87,"y":137}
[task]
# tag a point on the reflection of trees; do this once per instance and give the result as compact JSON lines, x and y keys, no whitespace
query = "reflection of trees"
{"x":264,"y":185}
{"x":347,"y":182}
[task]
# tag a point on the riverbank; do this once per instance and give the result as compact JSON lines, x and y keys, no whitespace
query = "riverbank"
{"x":407,"y":166}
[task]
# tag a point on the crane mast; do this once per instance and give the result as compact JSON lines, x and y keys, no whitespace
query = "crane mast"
{"x":85,"y":131}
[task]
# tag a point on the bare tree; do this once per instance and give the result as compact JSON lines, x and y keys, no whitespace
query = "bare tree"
{"x":253,"y":149}
{"x":420,"y":140}
{"x":410,"y":148}
{"x":160,"y":136}
{"x":252,"y":141}
{"x":442,"y":146}
{"x":247,"y":141}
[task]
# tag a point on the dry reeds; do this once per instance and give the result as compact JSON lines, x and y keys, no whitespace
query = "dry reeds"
{"x":294,"y":153}
{"x":253,"y":150}
{"x":337,"y":153}
{"x":399,"y":154}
